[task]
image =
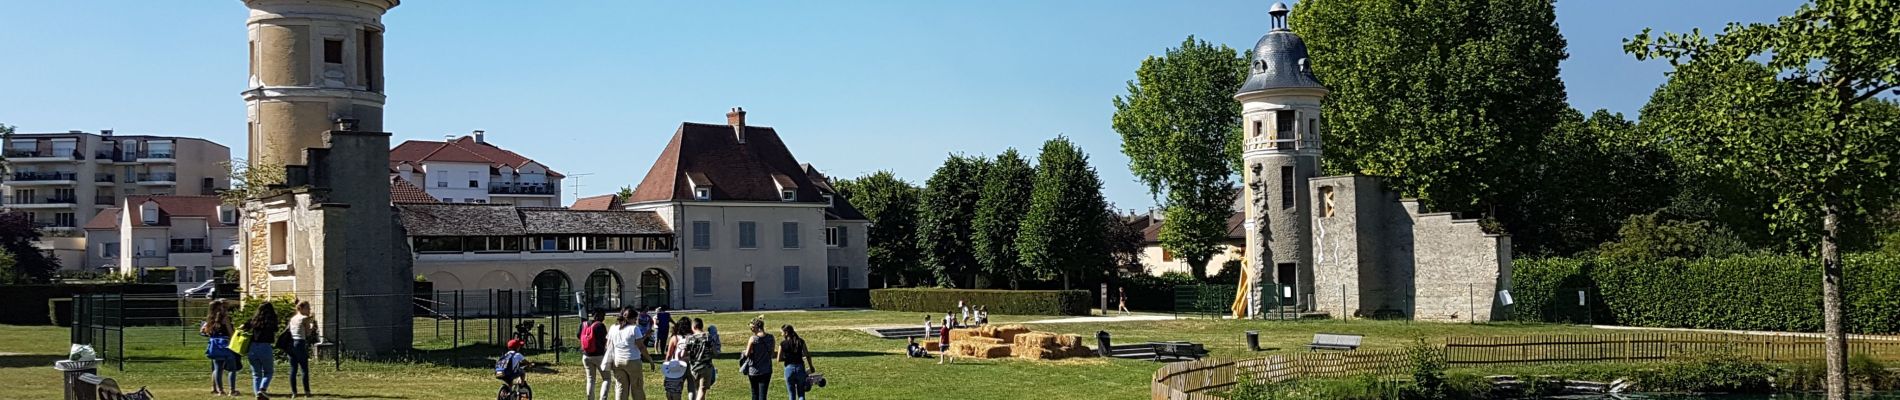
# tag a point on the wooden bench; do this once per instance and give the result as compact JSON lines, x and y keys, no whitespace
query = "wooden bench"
{"x":1179,"y":350}
{"x":1328,"y":341}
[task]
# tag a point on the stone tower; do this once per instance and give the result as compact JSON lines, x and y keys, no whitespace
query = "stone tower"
{"x":1280,"y":104}
{"x":312,"y":62}
{"x":327,"y":233}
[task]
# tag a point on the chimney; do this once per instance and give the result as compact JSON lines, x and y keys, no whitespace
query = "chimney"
{"x":478,"y":136}
{"x":448,"y":137}
{"x":736,"y":118}
{"x":105,"y":132}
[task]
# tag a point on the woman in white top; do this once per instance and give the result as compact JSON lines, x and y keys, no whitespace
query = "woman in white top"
{"x":303,"y":332}
{"x":626,"y":351}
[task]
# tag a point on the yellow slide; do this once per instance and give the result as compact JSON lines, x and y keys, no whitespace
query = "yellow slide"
{"x":1240,"y":294}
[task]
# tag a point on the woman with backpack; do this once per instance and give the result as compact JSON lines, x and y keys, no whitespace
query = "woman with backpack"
{"x":217,"y":332}
{"x":628,"y":351}
{"x":593,"y":339}
{"x":261,"y":328}
{"x":797,"y":359}
{"x":701,"y":347}
{"x":674,"y":370}
{"x":756,"y":362}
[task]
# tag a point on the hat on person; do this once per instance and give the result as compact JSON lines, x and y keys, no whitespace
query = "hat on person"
{"x":516,"y":344}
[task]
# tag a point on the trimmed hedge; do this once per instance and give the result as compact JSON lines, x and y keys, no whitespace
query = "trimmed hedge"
{"x":1018,"y":302}
{"x":29,"y":305}
{"x":1772,"y":293}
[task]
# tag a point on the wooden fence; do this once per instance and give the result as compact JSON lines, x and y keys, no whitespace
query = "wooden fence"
{"x":1647,"y":346}
{"x":1203,"y":379}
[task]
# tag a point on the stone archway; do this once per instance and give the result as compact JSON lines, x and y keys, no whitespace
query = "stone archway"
{"x":603,"y":289}
{"x":551,"y":288}
{"x":655,"y":289}
{"x":445,"y":281}
{"x":498,"y":280}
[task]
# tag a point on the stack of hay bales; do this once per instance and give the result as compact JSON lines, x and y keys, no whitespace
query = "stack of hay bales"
{"x":1015,"y":341}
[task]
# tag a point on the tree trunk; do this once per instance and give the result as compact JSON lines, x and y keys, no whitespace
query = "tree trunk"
{"x":1197,"y":267}
{"x":1831,"y":275}
{"x":1065,"y":280}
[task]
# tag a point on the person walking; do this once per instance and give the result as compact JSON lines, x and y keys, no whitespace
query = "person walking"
{"x":262,"y":327}
{"x":756,"y":361}
{"x":1123,"y":293}
{"x":701,"y":348}
{"x":627,"y":341}
{"x":798,"y":366}
{"x":304,"y":331}
{"x":217,"y":331}
{"x":943,"y":340}
{"x":594,"y":373}
{"x":674,"y":370}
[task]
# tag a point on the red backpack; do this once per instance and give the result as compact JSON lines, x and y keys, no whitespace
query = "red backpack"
{"x":591,"y":340}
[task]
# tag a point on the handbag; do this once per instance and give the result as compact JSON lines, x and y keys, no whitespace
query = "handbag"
{"x":240,"y":342}
{"x":283,"y":340}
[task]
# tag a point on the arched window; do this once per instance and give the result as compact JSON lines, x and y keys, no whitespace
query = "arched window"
{"x":655,"y":289}
{"x":603,"y":289}
{"x":551,"y":289}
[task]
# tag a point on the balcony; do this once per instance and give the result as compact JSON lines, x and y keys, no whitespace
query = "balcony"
{"x":157,"y":156}
{"x":17,"y":155}
{"x":43,"y":178}
{"x":104,"y":200}
{"x":25,"y":202}
{"x":521,"y":188}
{"x":114,"y":156}
{"x":158,"y":178}
{"x":105,"y":179}
{"x":190,"y":249}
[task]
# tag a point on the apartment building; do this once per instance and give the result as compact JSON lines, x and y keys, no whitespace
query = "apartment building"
{"x":196,"y":235}
{"x":469,"y":169}
{"x":64,"y":180}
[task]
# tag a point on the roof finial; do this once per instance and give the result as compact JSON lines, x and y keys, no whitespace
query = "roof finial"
{"x":1278,"y":12}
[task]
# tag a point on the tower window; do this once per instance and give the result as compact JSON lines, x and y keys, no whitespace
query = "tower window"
{"x":1256,"y":128}
{"x":1326,"y":206}
{"x":332,"y":51}
{"x":1286,"y":187}
{"x":1283,"y":121}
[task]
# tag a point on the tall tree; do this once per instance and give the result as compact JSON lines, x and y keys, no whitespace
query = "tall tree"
{"x":18,"y":232}
{"x":1590,"y":181}
{"x":1790,"y":107}
{"x":248,"y":181}
{"x":626,"y":192}
{"x":1063,"y":234}
{"x":1447,"y":98}
{"x":1123,"y":242}
{"x":945,"y":214}
{"x":891,"y":205}
{"x":1180,"y":128}
{"x":999,"y":214}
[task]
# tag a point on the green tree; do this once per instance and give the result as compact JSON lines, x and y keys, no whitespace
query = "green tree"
{"x":890,"y":204}
{"x":999,"y":213}
{"x":249,"y":181}
{"x":1064,"y":233}
{"x":18,"y":232}
{"x":1652,"y":237}
{"x":945,"y":215}
{"x":626,"y":192}
{"x":1446,"y":98}
{"x":1590,"y":181}
{"x":1789,"y":108}
{"x":1180,"y":128}
{"x":8,"y":275}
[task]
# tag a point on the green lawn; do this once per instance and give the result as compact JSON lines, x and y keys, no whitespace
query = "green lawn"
{"x":858,"y":365}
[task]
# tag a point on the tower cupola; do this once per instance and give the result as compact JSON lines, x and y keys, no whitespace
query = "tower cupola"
{"x":1279,"y":59}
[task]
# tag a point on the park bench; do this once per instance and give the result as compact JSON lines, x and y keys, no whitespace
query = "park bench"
{"x":1179,"y":350}
{"x":1327,"y":341}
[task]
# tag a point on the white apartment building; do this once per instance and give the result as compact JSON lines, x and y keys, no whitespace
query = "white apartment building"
{"x":64,"y":180}
{"x":468,"y":169}
{"x":195,"y":235}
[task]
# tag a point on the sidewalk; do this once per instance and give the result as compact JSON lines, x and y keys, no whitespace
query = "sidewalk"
{"x":1752,"y":333}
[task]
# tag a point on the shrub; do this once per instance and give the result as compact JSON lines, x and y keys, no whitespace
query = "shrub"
{"x":1153,"y":293}
{"x":1020,"y":302}
{"x":1772,"y":293}
{"x":285,"y":305}
{"x":1716,"y":373}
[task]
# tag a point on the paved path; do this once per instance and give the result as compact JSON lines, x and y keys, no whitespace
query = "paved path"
{"x":1118,"y":318}
{"x":1756,"y":333}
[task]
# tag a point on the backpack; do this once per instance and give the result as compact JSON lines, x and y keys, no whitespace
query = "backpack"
{"x":509,"y":365}
{"x":591,"y":342}
{"x":699,"y":352}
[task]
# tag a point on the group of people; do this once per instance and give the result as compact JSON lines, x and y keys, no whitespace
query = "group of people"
{"x":614,"y":355}
{"x":256,"y":340}
{"x":965,"y":316}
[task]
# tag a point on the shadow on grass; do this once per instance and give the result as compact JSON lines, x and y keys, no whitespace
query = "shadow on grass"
{"x":29,"y":360}
{"x":353,"y":396}
{"x":853,"y":353}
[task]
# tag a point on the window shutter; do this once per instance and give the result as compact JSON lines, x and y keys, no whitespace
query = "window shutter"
{"x":844,"y":236}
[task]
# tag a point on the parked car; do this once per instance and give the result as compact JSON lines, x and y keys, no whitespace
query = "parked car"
{"x":203,"y":290}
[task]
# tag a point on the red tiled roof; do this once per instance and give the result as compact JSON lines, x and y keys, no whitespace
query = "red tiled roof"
{"x":1151,"y":233}
{"x":736,"y":171}
{"x":403,"y":192}
{"x":106,"y":219}
{"x":463,"y":149}
{"x":173,"y":207}
{"x":841,"y":209}
{"x":596,"y":203}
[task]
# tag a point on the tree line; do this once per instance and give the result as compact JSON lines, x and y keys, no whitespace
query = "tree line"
{"x":994,"y":222}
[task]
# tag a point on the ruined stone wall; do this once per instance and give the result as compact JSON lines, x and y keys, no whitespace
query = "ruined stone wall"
{"x":1459,"y":269}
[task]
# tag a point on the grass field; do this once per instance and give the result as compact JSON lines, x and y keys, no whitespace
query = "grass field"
{"x":858,"y":365}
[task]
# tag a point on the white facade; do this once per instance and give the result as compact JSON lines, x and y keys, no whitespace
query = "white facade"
{"x":773,"y":255}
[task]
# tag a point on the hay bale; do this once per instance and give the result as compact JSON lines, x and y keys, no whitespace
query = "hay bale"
{"x":1008,"y":332}
{"x":1035,"y":339}
{"x":980,"y":340}
{"x":1068,"y":341}
{"x":960,"y":334}
{"x":933,"y":346}
{"x":990,"y":351}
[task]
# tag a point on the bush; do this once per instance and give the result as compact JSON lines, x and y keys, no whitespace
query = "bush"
{"x":286,"y":306}
{"x":1864,"y":373}
{"x":1713,"y":374}
{"x":1770,"y":293}
{"x":1019,"y":302}
{"x":1153,"y":293}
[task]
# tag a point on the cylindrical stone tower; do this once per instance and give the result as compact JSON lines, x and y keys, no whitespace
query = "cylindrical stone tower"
{"x":1280,"y":104}
{"x":312,"y":62}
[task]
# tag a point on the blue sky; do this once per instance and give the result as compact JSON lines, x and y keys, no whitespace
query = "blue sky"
{"x":597,"y":87}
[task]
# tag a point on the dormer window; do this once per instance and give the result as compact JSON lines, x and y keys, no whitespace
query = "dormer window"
{"x":149,"y":212}
{"x":702,"y":194}
{"x":227,"y":215}
{"x":788,"y":195}
{"x":828,"y":200}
